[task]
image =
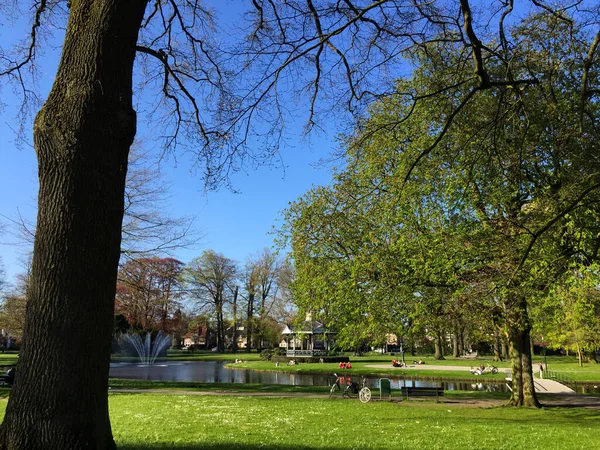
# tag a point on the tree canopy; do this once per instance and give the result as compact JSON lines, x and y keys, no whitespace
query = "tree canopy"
{"x":441,"y":212}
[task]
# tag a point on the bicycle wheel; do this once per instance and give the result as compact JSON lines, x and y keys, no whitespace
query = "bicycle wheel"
{"x":364,"y":395}
{"x":494,"y":370}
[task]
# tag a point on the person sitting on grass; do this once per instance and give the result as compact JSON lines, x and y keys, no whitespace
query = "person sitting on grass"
{"x":9,"y":376}
{"x":478,"y":371}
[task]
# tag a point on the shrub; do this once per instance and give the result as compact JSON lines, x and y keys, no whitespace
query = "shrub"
{"x":268,"y":353}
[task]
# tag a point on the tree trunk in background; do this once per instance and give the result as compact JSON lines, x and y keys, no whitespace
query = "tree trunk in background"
{"x":439,"y":351}
{"x":249,"y":317}
{"x":234,"y":333}
{"x":497,"y":347}
{"x":505,"y":350}
{"x":455,"y":345}
{"x":220,"y":324}
{"x":531,"y":346}
{"x":82,"y":137}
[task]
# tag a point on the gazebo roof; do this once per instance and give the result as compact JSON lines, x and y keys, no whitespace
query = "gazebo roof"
{"x":309,"y":327}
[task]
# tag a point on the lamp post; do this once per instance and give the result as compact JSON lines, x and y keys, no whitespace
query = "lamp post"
{"x":402,"y":352}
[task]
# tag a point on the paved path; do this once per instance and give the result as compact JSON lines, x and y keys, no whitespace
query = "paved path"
{"x":541,"y":385}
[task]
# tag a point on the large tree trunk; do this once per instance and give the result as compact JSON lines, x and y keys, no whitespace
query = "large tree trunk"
{"x":82,"y":137}
{"x":520,"y":354}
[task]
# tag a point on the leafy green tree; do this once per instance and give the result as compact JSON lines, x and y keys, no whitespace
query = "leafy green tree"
{"x":12,"y":315}
{"x":569,"y":316}
{"x":494,"y":197}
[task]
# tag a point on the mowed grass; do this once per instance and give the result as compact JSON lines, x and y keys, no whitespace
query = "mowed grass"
{"x":9,"y":359}
{"x":150,"y":421}
{"x":157,"y":421}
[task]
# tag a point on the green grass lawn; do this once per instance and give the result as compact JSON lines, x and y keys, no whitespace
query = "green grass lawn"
{"x":154,"y":421}
{"x":149,"y":421}
{"x":9,"y":359}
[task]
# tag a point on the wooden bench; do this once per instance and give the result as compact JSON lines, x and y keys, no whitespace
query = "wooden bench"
{"x":408,"y":391}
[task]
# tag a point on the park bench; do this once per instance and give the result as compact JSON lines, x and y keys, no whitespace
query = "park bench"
{"x":408,"y":391}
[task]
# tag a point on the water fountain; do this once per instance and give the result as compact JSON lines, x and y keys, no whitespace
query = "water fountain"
{"x":147,"y":350}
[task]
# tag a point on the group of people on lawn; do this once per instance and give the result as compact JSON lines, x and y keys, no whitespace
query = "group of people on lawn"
{"x":398,"y":363}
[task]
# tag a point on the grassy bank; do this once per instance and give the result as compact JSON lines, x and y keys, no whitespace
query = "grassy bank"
{"x":378,"y":366}
{"x":365,"y":365}
{"x":154,"y":421}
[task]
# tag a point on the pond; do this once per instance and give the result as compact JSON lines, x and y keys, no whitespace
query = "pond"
{"x":216,"y":372}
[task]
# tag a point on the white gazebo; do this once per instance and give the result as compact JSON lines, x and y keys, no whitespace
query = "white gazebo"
{"x":313,"y":339}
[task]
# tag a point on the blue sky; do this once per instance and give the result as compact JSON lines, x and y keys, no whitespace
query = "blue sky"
{"x":235,"y":224}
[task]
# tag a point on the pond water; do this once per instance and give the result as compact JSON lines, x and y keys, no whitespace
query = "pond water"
{"x":216,"y":372}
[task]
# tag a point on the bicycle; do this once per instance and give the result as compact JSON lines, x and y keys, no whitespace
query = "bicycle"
{"x":490,"y":369}
{"x":351,"y":389}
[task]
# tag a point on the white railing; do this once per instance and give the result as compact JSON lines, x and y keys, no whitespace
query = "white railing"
{"x":300,"y":353}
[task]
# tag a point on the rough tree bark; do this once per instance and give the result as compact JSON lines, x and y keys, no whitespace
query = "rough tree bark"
{"x":82,"y":137}
{"x":520,"y":354}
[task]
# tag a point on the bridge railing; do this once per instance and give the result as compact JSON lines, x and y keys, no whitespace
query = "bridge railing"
{"x":560,"y":377}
